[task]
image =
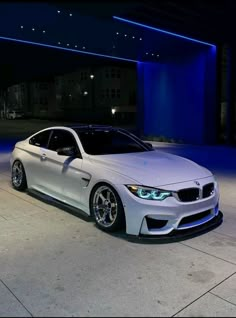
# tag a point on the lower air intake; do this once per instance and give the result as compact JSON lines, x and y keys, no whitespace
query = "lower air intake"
{"x":195,"y":217}
{"x":155,"y":224}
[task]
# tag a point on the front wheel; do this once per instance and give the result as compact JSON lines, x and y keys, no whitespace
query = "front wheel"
{"x":107,"y":208}
{"x":18,"y":177}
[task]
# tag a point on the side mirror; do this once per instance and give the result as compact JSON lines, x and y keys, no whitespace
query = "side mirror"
{"x":66,"y":151}
{"x":149,"y":145}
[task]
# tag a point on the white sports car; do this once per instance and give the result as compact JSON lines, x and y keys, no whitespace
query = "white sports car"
{"x":118,"y":179}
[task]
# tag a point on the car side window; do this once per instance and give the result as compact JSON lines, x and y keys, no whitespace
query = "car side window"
{"x":60,"y":139}
{"x":41,"y":139}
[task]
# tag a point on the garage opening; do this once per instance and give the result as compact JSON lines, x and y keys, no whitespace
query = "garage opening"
{"x":161,"y":83}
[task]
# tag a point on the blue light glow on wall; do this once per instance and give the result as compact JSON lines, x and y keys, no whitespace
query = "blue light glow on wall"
{"x":178,"y":98}
{"x":162,"y":31}
{"x":67,"y":49}
{"x":7,"y":145}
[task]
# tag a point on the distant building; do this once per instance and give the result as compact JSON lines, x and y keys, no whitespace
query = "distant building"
{"x":83,"y":95}
{"x":36,"y":99}
{"x":90,"y":93}
{"x":17,"y":96}
{"x":42,"y":99}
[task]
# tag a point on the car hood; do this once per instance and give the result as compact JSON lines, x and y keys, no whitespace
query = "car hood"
{"x":152,"y":168}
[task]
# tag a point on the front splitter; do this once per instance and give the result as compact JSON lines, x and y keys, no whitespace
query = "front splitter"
{"x":179,"y":235}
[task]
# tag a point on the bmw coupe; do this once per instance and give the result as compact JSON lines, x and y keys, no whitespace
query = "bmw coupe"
{"x":116,"y":178}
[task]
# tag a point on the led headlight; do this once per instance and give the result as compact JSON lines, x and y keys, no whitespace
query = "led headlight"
{"x":149,"y":193}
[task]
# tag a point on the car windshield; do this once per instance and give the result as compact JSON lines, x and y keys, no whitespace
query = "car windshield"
{"x":104,"y":142}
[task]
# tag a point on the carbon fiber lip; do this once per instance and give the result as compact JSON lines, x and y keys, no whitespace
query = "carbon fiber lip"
{"x":179,"y":235}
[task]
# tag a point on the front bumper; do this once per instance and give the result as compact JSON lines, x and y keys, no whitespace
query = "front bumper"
{"x":176,"y":235}
{"x":173,"y":215}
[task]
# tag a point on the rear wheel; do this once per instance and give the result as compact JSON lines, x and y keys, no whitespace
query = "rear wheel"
{"x":18,"y":177}
{"x":107,"y":208}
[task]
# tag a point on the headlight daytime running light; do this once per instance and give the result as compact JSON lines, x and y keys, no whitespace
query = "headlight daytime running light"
{"x":148,"y":193}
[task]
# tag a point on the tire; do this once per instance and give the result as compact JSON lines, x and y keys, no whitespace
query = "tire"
{"x":106,"y":208}
{"x":18,"y":176}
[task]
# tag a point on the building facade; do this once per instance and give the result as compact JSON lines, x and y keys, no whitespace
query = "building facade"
{"x":87,"y":94}
{"x":93,"y":92}
{"x":17,"y":96}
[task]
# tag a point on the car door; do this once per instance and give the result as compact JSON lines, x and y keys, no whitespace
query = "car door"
{"x":64,"y":172}
{"x":36,"y":160}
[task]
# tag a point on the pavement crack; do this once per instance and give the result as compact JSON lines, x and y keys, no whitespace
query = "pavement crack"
{"x":16,"y":297}
{"x":223,"y":299}
{"x":208,"y":291}
{"x":197,"y":249}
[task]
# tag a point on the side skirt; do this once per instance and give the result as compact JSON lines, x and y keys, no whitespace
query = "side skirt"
{"x":59,"y":204}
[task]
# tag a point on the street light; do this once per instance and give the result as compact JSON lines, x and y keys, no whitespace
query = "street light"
{"x":113,"y":111}
{"x":93,"y":90}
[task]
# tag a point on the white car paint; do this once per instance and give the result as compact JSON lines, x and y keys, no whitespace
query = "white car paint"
{"x":61,"y":178}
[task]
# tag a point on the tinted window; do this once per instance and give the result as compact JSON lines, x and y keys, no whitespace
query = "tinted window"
{"x":41,"y":139}
{"x":61,"y":139}
{"x":101,"y":142}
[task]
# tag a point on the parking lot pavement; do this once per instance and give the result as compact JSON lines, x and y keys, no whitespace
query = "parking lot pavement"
{"x":56,"y":264}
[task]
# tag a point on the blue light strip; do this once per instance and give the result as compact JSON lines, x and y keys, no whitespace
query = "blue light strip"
{"x":162,"y":31}
{"x":66,"y":49}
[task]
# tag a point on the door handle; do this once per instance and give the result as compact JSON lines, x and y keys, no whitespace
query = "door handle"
{"x":43,"y":157}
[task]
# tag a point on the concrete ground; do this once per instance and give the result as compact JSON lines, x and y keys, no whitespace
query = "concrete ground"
{"x":56,"y":264}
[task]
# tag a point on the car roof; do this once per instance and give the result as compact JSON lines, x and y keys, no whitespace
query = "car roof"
{"x":91,"y":127}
